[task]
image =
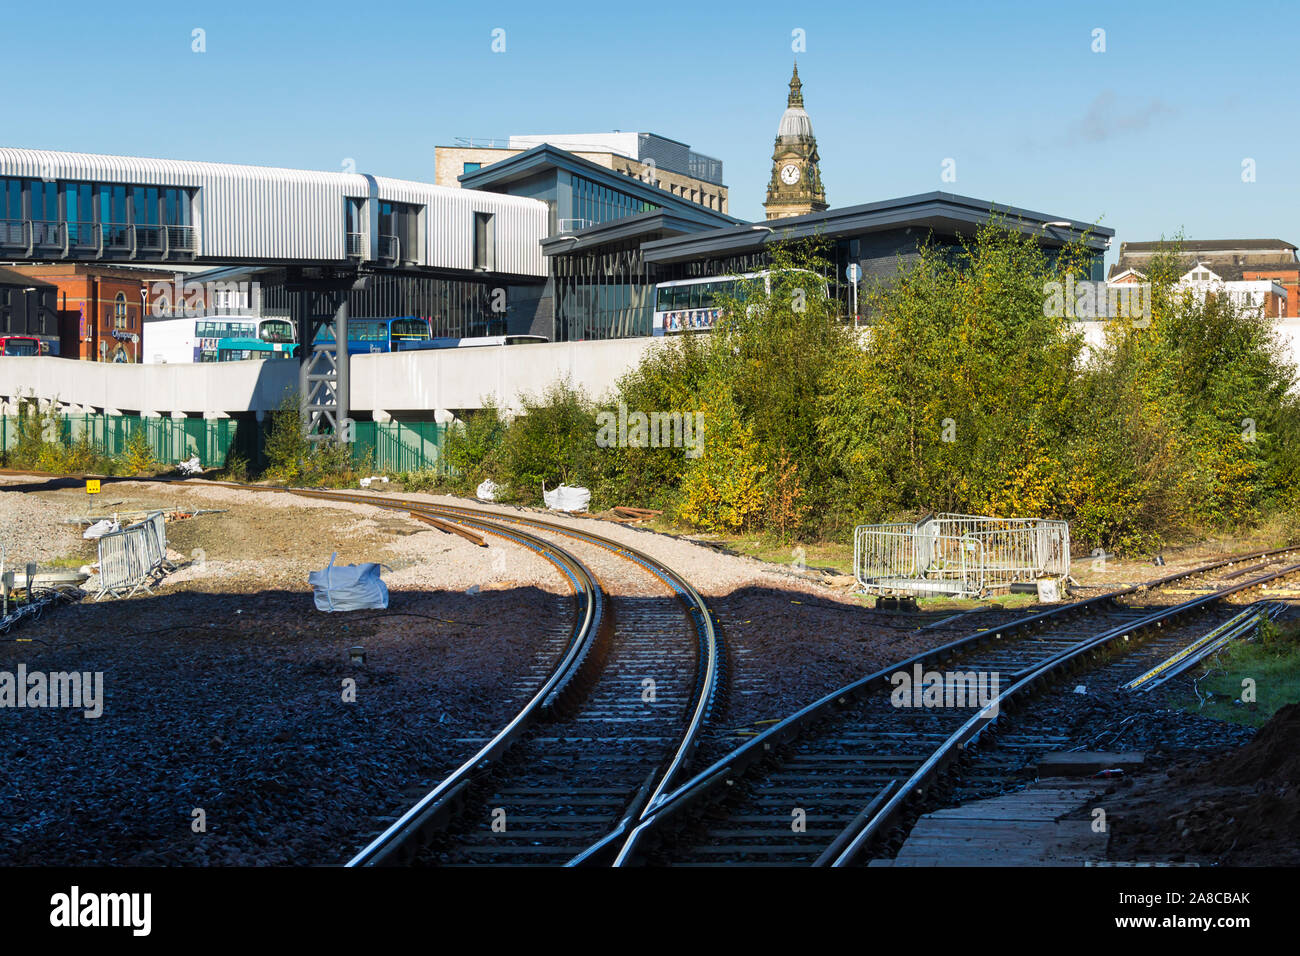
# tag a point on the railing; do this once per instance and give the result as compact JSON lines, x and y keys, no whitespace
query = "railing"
{"x":182,"y":239}
{"x":356,"y":244}
{"x":77,"y":236}
{"x":133,"y":558}
{"x":49,"y":235}
{"x":13,"y":232}
{"x":571,"y":225}
{"x":966,"y":555}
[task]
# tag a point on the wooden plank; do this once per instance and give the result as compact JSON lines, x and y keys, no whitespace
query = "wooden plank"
{"x":450,"y":527}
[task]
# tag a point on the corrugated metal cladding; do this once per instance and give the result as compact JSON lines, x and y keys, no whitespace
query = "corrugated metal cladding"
{"x":264,"y":212}
{"x":519,"y":225}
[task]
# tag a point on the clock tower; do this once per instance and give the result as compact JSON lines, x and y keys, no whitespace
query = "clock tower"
{"x":796,"y":185}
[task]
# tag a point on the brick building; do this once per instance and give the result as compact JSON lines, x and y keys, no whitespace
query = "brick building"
{"x":1228,"y":260}
{"x":100,"y":308}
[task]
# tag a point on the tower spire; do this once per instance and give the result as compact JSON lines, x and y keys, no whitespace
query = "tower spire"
{"x":796,"y":88}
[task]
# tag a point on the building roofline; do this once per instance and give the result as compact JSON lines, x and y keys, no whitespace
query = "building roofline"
{"x":545,"y":155}
{"x":1203,"y":245}
{"x":655,"y":220}
{"x":934,"y":207}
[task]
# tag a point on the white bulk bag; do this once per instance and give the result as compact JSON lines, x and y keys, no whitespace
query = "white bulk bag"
{"x":348,"y":587}
{"x":100,"y":528}
{"x":565,"y":498}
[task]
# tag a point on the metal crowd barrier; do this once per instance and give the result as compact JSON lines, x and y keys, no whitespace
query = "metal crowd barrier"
{"x":959,"y":555}
{"x":133,"y":558}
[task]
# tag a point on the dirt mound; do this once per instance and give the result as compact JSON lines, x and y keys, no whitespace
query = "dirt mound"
{"x":1240,"y":809}
{"x":1273,"y":754}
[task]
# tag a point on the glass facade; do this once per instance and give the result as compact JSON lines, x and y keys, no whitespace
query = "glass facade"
{"x":604,"y":295}
{"x":594,"y":203}
{"x":399,"y":231}
{"x":73,"y":210}
{"x":455,"y":308}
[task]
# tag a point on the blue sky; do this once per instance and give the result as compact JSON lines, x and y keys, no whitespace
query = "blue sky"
{"x":1147,"y":137}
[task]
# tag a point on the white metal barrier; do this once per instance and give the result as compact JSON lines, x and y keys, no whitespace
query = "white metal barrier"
{"x":961,"y":555}
{"x":133,"y":558}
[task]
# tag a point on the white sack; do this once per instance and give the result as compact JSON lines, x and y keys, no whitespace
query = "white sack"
{"x":348,"y":587}
{"x":565,"y":498}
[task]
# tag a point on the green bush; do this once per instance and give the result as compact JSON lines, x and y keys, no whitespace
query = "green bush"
{"x":473,"y":445}
{"x":292,"y":459}
{"x":552,"y":442}
{"x":138,"y":458}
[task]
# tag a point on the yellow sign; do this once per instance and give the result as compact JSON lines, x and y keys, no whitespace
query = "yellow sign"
{"x":92,"y":486}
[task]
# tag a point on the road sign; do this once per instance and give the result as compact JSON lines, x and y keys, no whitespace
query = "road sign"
{"x":853,"y":272}
{"x":92,"y":486}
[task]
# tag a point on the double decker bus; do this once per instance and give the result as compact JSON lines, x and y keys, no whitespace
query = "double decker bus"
{"x":245,"y":349}
{"x":20,"y":345}
{"x":381,"y":335}
{"x":695,"y":305}
{"x":198,"y":338}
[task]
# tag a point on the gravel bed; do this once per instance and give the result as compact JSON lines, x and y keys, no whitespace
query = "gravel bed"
{"x":224,"y":687}
{"x":31,"y":528}
{"x":223,"y":691}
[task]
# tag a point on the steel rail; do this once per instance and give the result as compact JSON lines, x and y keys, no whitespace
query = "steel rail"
{"x":436,"y":807}
{"x":708,"y":681}
{"x":711,"y":781}
{"x":856,"y":842}
{"x":710,"y":656}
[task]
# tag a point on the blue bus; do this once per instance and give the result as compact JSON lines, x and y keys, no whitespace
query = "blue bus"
{"x":380,"y":335}
{"x":477,"y":341}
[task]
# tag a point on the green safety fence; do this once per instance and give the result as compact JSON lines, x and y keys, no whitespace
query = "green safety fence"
{"x":385,"y":446}
{"x":400,"y":446}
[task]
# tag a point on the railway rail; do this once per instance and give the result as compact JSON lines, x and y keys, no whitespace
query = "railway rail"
{"x":827,"y":783}
{"x":850,"y":766}
{"x":592,"y":744}
{"x":596,"y":743}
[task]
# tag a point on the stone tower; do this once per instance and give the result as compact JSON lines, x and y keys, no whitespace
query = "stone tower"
{"x":796,"y":184}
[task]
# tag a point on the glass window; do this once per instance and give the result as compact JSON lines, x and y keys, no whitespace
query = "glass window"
{"x":471,"y":168}
{"x":410,"y":329}
{"x":11,"y":199}
{"x":276,"y":330}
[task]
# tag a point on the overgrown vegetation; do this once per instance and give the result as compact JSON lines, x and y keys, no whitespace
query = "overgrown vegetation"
{"x":1269,"y":665}
{"x":44,"y":442}
{"x":293,"y":460}
{"x":963,"y":395}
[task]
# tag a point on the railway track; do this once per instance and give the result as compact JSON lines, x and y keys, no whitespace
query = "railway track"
{"x":828,"y":783}
{"x":564,"y":787}
{"x":614,"y":724}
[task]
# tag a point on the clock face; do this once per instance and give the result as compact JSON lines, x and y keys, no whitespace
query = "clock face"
{"x":789,"y":174}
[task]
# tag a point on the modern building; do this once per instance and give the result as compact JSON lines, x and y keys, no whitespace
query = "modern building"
{"x":100,"y":309}
{"x":655,"y":160}
{"x":596,"y":285}
{"x":1228,"y":261}
{"x":795,"y":188}
{"x":60,"y":206}
{"x":27,"y":307}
